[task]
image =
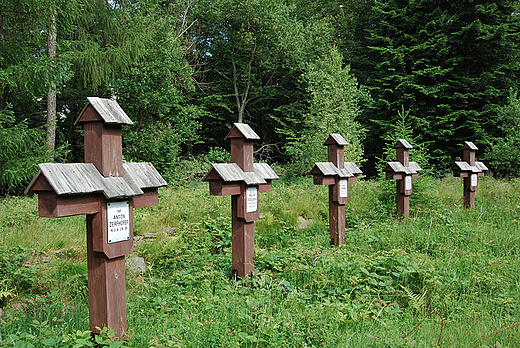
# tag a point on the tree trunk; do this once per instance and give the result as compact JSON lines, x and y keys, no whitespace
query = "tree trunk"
{"x":51,"y":96}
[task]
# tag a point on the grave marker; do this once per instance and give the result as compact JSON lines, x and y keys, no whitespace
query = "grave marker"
{"x":243,"y":180}
{"x":337,"y":174}
{"x":469,"y":169}
{"x":106,"y":190}
{"x":403,"y":171}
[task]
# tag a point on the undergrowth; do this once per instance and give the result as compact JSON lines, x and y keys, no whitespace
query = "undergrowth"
{"x":460,"y":264}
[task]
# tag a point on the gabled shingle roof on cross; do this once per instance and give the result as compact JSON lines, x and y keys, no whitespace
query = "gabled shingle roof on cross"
{"x":108,"y":109}
{"x":242,"y":130}
{"x":84,"y":178}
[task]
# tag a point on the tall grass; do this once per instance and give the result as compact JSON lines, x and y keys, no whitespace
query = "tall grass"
{"x":462,"y":264}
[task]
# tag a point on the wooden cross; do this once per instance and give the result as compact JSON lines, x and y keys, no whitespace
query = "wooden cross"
{"x":337,"y":174}
{"x":106,"y":190}
{"x":469,"y":169}
{"x":403,"y":171}
{"x":242,"y":179}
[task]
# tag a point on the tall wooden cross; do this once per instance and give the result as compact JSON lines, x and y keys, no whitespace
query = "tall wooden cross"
{"x":242,"y":179}
{"x":337,"y":174}
{"x":106,"y":190}
{"x":469,"y":169}
{"x":403,"y":171}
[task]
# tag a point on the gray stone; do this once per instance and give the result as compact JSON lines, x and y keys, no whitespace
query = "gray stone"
{"x":2,"y":316}
{"x":136,"y":264}
{"x":302,"y":223}
{"x":170,"y":231}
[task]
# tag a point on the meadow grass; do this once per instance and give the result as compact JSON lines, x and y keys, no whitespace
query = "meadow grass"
{"x":461,"y":264}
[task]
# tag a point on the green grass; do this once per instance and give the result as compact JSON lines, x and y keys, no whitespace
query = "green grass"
{"x":462,"y":264}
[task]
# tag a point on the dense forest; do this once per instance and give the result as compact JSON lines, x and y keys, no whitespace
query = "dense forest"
{"x":436,"y":72}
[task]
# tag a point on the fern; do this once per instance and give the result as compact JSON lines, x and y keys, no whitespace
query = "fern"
{"x":416,"y":301}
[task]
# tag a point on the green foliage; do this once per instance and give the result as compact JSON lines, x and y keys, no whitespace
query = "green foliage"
{"x":158,"y":143}
{"x":15,"y":279}
{"x":450,"y":63}
{"x":42,"y":337}
{"x":503,"y":157}
{"x":21,"y":149}
{"x":403,"y":129}
{"x":334,"y":107}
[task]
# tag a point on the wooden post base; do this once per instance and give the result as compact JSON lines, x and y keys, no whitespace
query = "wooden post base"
{"x":243,"y":242}
{"x":402,"y":200}
{"x":469,"y":195}
{"x":336,"y":220}
{"x":106,"y":288}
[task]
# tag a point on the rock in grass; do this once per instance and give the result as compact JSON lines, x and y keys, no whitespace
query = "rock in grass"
{"x":302,"y":223}
{"x":136,"y":264}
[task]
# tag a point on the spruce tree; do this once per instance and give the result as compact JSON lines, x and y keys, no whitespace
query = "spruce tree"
{"x":449,"y":63}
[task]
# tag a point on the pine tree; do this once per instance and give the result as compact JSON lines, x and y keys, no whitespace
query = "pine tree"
{"x":449,"y":63}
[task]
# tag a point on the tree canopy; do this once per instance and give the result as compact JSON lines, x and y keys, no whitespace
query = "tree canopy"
{"x":295,"y":70}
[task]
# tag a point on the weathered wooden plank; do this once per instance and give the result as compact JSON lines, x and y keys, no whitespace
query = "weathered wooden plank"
{"x":242,"y":130}
{"x":354,"y":169}
{"x":110,"y":111}
{"x":144,"y":174}
{"x":229,"y":172}
{"x":335,"y":139}
{"x":265,"y":187}
{"x":148,"y":199}
{"x":117,"y":187}
{"x":265,"y":171}
{"x":403,"y":143}
{"x":51,"y":205}
{"x":251,"y":178}
{"x":327,"y":168}
{"x":219,"y":188}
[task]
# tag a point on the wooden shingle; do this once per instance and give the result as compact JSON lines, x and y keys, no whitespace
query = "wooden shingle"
{"x":231,"y":172}
{"x":469,"y":145}
{"x":108,"y":109}
{"x":403,"y":143}
{"x":84,"y":178}
{"x":479,"y":167}
{"x":330,"y":169}
{"x":335,"y":139}
{"x":354,"y":169}
{"x":144,"y":175}
{"x":265,"y":171}
{"x":397,"y":167}
{"x":242,"y":130}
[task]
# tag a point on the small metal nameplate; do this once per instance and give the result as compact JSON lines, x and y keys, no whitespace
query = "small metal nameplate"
{"x":251,"y":199}
{"x":408,"y":182}
{"x":118,"y":221}
{"x":474,"y":180}
{"x":343,"y":188}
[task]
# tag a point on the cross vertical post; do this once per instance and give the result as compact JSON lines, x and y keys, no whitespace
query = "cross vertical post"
{"x":106,"y":190}
{"x":242,"y":180}
{"x":403,"y":171}
{"x":337,"y":174}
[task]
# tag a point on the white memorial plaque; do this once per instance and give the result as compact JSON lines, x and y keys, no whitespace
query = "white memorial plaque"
{"x":474,"y":180}
{"x":343,"y":188}
{"x":251,"y":199}
{"x":408,"y":182}
{"x":118,"y":221}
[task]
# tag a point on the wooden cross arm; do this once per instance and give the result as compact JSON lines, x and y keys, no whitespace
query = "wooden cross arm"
{"x":52,"y":205}
{"x":320,"y":179}
{"x":221,"y":188}
{"x":148,"y":199}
